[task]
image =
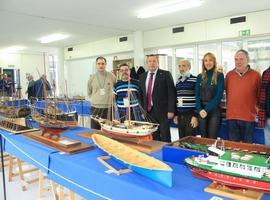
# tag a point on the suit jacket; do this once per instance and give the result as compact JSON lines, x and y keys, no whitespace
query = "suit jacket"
{"x":163,"y":94}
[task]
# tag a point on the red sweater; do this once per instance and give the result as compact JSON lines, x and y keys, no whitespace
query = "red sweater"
{"x":242,"y":93}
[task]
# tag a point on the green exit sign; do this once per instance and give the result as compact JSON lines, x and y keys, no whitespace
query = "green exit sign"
{"x":244,"y":32}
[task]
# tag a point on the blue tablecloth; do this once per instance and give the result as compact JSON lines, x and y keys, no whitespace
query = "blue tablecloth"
{"x":18,"y":103}
{"x":82,"y":107}
{"x":85,"y":175}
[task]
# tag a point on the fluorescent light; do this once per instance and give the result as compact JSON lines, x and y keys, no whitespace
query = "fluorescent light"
{"x":14,"y":48}
{"x":53,"y":38}
{"x":168,"y":7}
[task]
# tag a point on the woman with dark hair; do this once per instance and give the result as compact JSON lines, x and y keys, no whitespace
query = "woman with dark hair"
{"x":209,"y":92}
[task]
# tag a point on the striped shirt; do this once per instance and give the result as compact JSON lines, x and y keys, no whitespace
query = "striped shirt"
{"x":185,"y":93}
{"x":121,"y":93}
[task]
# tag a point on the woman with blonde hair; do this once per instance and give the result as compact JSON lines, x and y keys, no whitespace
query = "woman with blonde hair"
{"x":209,"y":92}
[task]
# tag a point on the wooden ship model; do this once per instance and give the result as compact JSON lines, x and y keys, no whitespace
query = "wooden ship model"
{"x":12,"y":111}
{"x":52,"y":120}
{"x":135,"y":160}
{"x":232,"y":168}
{"x":141,"y":129}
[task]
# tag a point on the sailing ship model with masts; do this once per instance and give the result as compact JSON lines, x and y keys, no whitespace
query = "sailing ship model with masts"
{"x":51,"y":119}
{"x":127,"y":127}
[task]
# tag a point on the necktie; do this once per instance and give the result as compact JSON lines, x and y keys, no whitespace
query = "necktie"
{"x":149,"y":92}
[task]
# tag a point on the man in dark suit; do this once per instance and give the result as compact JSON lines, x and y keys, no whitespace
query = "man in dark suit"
{"x":158,"y":97}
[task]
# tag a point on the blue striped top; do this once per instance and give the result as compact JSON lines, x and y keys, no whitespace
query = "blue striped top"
{"x":185,"y":93}
{"x":121,"y":93}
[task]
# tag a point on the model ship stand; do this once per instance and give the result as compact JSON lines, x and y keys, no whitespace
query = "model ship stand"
{"x":59,"y":143}
{"x":144,"y":146}
{"x":16,"y":127}
{"x":234,"y":193}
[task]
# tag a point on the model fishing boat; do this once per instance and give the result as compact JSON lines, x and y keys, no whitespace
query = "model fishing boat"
{"x":141,"y":128}
{"x":202,"y":144}
{"x":135,"y":160}
{"x":232,"y":168}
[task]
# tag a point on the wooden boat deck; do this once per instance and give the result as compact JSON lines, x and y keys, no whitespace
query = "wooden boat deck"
{"x":127,"y":154}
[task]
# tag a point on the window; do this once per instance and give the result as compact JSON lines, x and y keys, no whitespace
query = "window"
{"x":242,"y":166}
{"x":165,"y":59}
{"x":53,"y":71}
{"x":185,"y":53}
{"x":228,"y":51}
{"x":228,"y":164}
{"x":256,"y":169}
{"x":249,"y":168}
{"x":235,"y":165}
{"x":205,"y":48}
{"x":259,"y":52}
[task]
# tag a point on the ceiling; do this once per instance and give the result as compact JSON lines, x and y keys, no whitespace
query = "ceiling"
{"x":22,"y":22}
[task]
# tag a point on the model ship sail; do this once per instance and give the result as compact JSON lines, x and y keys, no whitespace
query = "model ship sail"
{"x":50,"y":118}
{"x":233,"y":168}
{"x":135,"y":160}
{"x":138,"y":127}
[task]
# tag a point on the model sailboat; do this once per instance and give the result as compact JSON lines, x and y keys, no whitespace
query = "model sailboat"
{"x":51,"y":119}
{"x":139,"y":128}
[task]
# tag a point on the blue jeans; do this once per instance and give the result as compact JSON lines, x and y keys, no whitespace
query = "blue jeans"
{"x":267,"y":132}
{"x":239,"y":130}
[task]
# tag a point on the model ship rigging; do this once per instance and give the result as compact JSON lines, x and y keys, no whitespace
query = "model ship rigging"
{"x":232,"y":168}
{"x":140,"y":127}
{"x":51,"y":119}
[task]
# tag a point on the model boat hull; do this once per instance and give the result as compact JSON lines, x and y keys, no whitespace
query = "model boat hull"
{"x":233,"y":181}
{"x":135,"y":160}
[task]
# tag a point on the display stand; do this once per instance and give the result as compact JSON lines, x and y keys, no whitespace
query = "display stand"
{"x":241,"y":194}
{"x":144,"y":146}
{"x":62,"y":143}
{"x":117,"y":172}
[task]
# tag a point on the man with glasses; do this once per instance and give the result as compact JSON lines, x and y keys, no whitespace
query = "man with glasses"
{"x":122,"y":98}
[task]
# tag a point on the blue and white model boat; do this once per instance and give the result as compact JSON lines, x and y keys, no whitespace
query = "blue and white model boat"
{"x":135,"y":160}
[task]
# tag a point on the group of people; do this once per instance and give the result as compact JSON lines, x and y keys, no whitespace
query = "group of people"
{"x":194,"y":102}
{"x":35,"y":89}
{"x":6,"y":86}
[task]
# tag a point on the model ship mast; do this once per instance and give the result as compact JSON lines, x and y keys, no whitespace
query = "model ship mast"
{"x":129,"y":102}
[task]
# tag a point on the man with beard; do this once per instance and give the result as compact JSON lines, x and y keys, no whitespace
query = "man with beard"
{"x":122,"y":98}
{"x":185,"y":95}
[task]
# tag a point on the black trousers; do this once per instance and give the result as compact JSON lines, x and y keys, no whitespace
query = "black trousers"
{"x":163,"y":133}
{"x":209,"y":126}
{"x":184,"y":126}
{"x":101,"y":112}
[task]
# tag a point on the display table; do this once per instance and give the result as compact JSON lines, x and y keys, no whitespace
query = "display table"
{"x":85,"y":175}
{"x":82,"y":107}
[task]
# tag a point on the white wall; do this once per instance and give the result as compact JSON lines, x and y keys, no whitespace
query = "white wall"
{"x":257,"y":22}
{"x":102,"y":47}
{"x":32,"y":63}
{"x":77,"y":72}
{"x":27,"y":63}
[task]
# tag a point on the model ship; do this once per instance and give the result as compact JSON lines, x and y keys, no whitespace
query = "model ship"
{"x":51,"y":119}
{"x":12,"y":111}
{"x":127,"y":128}
{"x":135,"y":160}
{"x":232,"y":168}
{"x":202,"y":144}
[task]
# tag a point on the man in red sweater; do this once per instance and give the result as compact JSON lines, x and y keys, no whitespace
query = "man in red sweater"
{"x":242,"y":92}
